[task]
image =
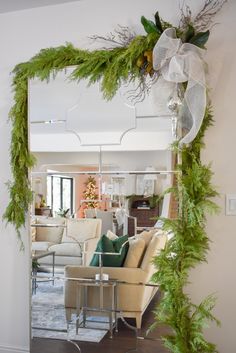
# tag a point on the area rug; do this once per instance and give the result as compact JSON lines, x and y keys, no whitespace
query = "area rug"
{"x":48,"y":312}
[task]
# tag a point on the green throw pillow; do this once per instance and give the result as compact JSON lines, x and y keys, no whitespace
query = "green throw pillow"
{"x":104,"y":245}
{"x":117,"y":243}
{"x":114,"y":246}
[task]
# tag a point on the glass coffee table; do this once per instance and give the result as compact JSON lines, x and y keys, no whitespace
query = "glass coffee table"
{"x":36,"y":255}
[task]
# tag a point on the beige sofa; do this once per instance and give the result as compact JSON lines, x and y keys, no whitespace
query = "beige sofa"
{"x":132,"y":298}
{"x":73,"y":240}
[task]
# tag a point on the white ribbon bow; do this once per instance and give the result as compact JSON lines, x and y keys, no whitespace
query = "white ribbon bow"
{"x":179,"y":62}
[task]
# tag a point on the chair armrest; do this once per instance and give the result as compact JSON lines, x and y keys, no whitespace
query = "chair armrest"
{"x":132,"y":277}
{"x":88,"y":248}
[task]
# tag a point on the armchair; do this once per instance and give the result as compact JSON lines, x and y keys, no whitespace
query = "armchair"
{"x":73,"y":240}
{"x":133,"y":298}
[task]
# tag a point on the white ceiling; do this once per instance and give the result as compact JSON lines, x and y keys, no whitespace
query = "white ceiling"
{"x":17,"y":5}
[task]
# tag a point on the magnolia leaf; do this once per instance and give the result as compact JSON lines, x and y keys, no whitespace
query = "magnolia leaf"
{"x":188,"y":34}
{"x":158,"y":23}
{"x":148,"y":25}
{"x":200,"y":39}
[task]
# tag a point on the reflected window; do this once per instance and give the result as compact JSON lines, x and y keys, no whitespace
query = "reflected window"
{"x":60,"y":195}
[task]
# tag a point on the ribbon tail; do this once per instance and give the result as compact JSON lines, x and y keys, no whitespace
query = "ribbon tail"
{"x":195,"y":99}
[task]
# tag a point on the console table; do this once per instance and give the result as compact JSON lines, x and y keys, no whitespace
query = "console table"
{"x":43,"y":211}
{"x":140,"y":209}
{"x":144,"y":219}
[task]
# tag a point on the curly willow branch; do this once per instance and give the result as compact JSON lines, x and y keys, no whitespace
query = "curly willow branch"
{"x":121,"y":37}
{"x":204,"y":18}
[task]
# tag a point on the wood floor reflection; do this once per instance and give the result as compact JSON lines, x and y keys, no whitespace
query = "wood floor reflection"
{"x":122,"y":341}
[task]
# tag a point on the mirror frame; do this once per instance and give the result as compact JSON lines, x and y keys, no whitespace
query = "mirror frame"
{"x":193,"y":189}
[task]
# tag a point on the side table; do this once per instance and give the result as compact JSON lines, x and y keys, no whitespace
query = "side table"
{"x":82,"y":302}
{"x":36,"y":255}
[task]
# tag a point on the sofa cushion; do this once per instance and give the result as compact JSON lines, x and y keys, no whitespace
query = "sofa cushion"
{"x":107,"y":245}
{"x":50,"y":234}
{"x":154,"y":247}
{"x":146,"y":236}
{"x":79,"y":230}
{"x":135,"y":252}
{"x":66,"y":249}
{"x":41,"y":245}
{"x":111,"y":235}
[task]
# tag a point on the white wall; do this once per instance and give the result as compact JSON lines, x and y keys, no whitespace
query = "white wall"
{"x":129,"y":160}
{"x":218,"y":275}
{"x":23,"y":34}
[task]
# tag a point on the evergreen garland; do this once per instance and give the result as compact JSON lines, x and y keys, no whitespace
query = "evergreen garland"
{"x":185,"y":250}
{"x":194,"y":191}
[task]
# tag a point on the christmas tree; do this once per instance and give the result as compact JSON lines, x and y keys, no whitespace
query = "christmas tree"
{"x":90,"y":193}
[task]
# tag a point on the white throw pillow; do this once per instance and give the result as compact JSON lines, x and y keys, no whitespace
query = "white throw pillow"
{"x":79,"y":230}
{"x":111,"y":235}
{"x":50,"y":234}
{"x":135,"y":253}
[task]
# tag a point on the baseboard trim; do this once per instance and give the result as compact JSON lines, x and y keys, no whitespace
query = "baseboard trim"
{"x":11,"y":349}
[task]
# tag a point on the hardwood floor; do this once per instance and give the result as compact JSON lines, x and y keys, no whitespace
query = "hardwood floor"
{"x":122,"y":341}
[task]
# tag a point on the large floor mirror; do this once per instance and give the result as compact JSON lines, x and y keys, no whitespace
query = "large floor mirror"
{"x":101,"y":167}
